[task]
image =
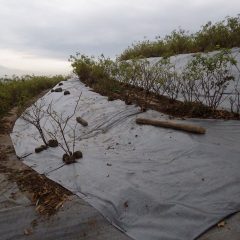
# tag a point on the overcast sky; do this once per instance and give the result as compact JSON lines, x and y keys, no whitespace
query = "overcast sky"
{"x":39,"y":35}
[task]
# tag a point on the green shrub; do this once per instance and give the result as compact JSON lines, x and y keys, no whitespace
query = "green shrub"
{"x":206,"y":77}
{"x":223,"y":34}
{"x":16,"y":91}
{"x":82,"y":66}
{"x":98,"y":73}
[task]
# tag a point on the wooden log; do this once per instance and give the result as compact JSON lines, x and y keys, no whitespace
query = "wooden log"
{"x":82,"y":121}
{"x":173,"y":125}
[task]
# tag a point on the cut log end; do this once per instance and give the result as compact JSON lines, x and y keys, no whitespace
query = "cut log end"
{"x":172,"y":125}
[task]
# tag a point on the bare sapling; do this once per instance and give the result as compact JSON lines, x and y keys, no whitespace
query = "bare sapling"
{"x":34,"y":116}
{"x":60,"y":129}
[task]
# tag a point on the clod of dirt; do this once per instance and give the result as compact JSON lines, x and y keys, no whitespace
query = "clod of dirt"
{"x":53,"y":143}
{"x":82,"y":121}
{"x":60,"y":84}
{"x":65,"y":157}
{"x":143,"y":109}
{"x":109,"y":147}
{"x":110,"y":98}
{"x":66,"y":92}
{"x":128,"y":102}
{"x":28,"y":231}
{"x":78,"y":154}
{"x":58,"y":90}
{"x":68,"y":159}
{"x":40,"y":149}
{"x":221,"y":224}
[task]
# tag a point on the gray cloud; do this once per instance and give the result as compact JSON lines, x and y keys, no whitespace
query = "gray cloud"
{"x":58,"y":28}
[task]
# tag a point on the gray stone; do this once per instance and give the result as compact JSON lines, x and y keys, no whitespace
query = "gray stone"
{"x":58,"y":90}
{"x":66,"y":92}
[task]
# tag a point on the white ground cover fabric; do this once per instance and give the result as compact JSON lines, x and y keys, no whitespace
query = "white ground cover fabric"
{"x":152,"y":183}
{"x":180,"y":61}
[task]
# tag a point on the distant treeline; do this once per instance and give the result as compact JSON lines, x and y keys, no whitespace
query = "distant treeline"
{"x":223,"y":34}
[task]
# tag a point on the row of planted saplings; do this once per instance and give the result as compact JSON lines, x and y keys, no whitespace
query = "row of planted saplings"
{"x":57,"y":135}
{"x":204,"y":79}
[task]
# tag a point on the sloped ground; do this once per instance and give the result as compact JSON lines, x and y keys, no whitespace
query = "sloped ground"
{"x":22,"y":216}
{"x":222,"y":178}
{"x":75,"y":219}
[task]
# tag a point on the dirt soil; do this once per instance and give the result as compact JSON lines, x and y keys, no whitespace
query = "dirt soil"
{"x":45,"y":194}
{"x":147,"y":100}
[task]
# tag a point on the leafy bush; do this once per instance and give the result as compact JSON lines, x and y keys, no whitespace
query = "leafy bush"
{"x":167,"y":81}
{"x":223,"y":34}
{"x":98,"y":73}
{"x":206,"y":78}
{"x":82,"y":66}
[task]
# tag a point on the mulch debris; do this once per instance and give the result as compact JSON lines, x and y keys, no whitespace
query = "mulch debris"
{"x":45,"y":194}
